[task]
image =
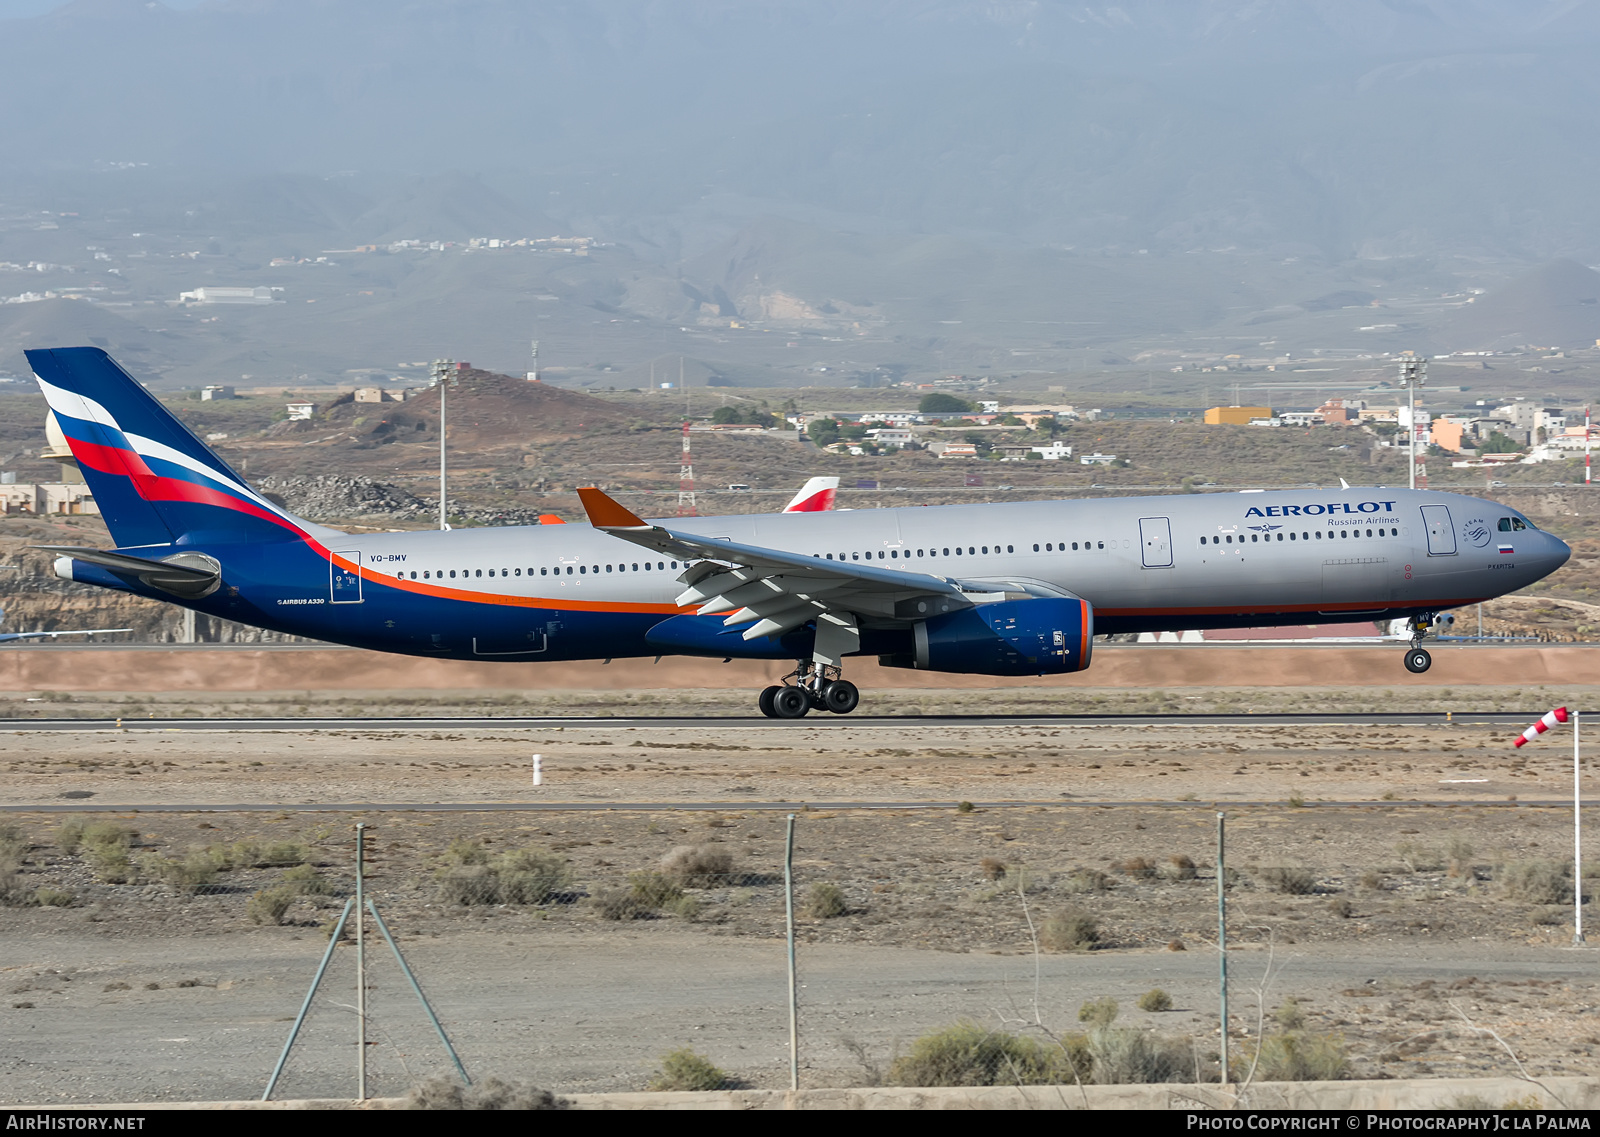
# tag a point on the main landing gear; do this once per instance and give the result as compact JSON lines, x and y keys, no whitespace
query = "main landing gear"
{"x":1418,"y":658}
{"x":809,"y":687}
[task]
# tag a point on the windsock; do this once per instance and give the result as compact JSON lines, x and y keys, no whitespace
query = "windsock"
{"x":1559,"y":715}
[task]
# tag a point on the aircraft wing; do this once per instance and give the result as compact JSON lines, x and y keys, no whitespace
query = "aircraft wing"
{"x":781,"y":590}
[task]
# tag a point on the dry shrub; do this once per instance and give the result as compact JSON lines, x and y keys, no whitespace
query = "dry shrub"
{"x":53,"y":897}
{"x":1341,"y":908}
{"x":1140,"y":868}
{"x":1374,"y":881}
{"x":1099,"y":1012}
{"x":825,"y":901}
{"x":517,"y":876}
{"x":14,"y":846}
{"x":1303,"y":1056}
{"x":683,"y":1069}
{"x":1290,"y":1015}
{"x":647,"y":894}
{"x":1069,"y":930}
{"x":105,"y":845}
{"x":306,"y":881}
{"x":1180,"y":867}
{"x":185,"y":877}
{"x":968,"y":1055}
{"x":271,"y":905}
{"x":1080,"y":881}
{"x":698,"y":866}
{"x":69,"y":834}
{"x":264,"y":854}
{"x":490,"y":1093}
{"x":1122,"y":1056}
{"x":529,"y":876}
{"x":992,"y":868}
{"x":14,"y":893}
{"x":1535,"y":882}
{"x":1293,"y":879}
{"x":1155,"y":1000}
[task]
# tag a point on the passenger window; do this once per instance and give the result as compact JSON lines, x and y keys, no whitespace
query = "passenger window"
{"x":569,"y":570}
{"x":1254,"y":537}
{"x":608,"y":568}
{"x":452,"y":574}
{"x":894,"y":554}
{"x":1102,"y":544}
{"x":544,"y":572}
{"x":1319,"y":534}
{"x":1009,"y":549}
{"x":971,"y":552}
{"x":958,"y":550}
{"x":986,"y":550}
{"x":1280,"y":537}
{"x":491,"y":572}
{"x":1074,"y":546}
{"x":674,"y":564}
{"x":1036,"y":546}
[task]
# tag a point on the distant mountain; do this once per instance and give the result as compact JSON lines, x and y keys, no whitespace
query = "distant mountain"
{"x":1555,"y":305}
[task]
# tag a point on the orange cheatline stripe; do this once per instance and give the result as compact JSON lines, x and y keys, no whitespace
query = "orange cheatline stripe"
{"x":504,"y":600}
{"x":605,"y":513}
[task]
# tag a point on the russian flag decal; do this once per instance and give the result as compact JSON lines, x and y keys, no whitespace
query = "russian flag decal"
{"x":1506,"y":550}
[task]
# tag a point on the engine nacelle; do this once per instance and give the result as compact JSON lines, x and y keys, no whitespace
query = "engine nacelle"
{"x":1010,"y":637}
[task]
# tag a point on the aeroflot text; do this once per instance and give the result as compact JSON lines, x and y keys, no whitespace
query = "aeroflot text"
{"x":1358,"y":1122}
{"x":1315,"y":510}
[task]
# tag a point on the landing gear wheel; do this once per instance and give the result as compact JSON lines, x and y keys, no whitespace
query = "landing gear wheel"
{"x":765,"y":701}
{"x":1418,"y":660}
{"x":841,"y":696}
{"x":790,"y":703}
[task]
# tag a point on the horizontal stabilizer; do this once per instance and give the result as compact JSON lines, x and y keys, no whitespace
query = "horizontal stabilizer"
{"x":190,"y":575}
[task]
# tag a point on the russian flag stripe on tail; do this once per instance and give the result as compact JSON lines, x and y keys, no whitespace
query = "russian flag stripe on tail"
{"x":152,"y":478}
{"x":1554,"y":718}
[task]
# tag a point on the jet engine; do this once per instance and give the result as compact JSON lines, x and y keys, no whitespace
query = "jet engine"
{"x":1011,"y":637}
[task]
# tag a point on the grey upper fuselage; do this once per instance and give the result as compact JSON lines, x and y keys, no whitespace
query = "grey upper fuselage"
{"x":1268,"y":557}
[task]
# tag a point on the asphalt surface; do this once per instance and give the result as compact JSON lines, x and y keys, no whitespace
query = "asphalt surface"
{"x":746,"y":722}
{"x":84,"y":805}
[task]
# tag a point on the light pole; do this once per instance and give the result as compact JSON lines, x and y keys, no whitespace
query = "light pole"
{"x":1414,"y":374}
{"x":441,"y":380}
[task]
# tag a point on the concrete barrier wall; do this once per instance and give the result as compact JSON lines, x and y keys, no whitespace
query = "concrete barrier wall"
{"x":228,"y":668}
{"x":1413,"y":1094}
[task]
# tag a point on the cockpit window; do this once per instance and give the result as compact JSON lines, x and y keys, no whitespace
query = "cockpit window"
{"x":1510,"y":524}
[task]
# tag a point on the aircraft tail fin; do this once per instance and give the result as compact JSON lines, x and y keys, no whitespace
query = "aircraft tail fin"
{"x":816,"y":496}
{"x":153,"y":480}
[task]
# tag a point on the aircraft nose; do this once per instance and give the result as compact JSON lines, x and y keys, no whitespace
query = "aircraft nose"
{"x":1560,"y":552}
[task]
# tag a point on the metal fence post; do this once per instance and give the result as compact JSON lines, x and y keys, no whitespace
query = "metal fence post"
{"x":1222,"y":934}
{"x":417,"y":987}
{"x":361,"y":966}
{"x":788,"y":911}
{"x":294,"y":1031}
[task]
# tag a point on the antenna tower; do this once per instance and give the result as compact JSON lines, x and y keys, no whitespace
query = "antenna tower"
{"x":533,"y":375}
{"x":686,"y":506}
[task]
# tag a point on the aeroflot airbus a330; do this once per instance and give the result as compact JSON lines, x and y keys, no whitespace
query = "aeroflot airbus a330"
{"x":997,"y":589}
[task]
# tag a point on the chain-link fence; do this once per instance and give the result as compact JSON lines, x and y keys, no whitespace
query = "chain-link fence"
{"x":167,"y":955}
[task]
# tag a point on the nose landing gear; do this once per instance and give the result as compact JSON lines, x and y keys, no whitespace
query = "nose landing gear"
{"x":811,"y":686}
{"x":1418,"y":659}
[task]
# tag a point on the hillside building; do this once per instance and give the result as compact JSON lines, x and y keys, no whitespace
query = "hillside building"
{"x":1235,"y":416}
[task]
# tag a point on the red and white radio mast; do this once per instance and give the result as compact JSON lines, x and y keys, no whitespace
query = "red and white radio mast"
{"x":686,"y":507}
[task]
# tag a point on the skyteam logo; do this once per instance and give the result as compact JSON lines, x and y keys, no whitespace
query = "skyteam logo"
{"x":1315,"y":510}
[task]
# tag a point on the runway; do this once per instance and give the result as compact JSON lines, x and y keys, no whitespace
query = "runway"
{"x":85,"y":806}
{"x":756,"y":722}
